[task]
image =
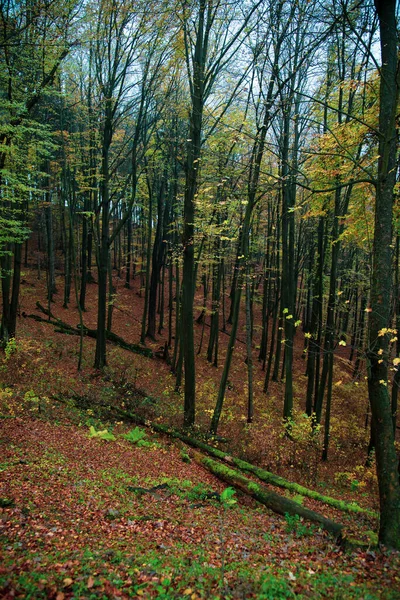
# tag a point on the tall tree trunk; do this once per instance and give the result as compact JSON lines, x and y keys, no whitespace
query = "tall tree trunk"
{"x":48,"y":214}
{"x":249,"y":354}
{"x":103,"y":254}
{"x":156,"y":263}
{"x":381,"y":284}
{"x":146,"y":268}
{"x":15,"y":289}
{"x":197,"y":57}
{"x":315,"y":323}
{"x":84,"y":254}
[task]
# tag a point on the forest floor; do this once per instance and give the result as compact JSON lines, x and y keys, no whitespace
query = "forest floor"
{"x":84,"y":517}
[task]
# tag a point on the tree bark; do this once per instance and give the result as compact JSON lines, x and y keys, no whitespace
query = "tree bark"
{"x":381,"y":284}
{"x":272,"y":500}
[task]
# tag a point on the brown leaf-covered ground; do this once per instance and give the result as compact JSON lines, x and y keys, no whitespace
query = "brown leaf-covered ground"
{"x":88,"y":518}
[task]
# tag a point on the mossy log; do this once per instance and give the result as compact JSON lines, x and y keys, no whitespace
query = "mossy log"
{"x":275,"y":502}
{"x":261,"y":474}
{"x":63,"y":327}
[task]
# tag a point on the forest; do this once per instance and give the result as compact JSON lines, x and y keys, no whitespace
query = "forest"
{"x":200,"y":299}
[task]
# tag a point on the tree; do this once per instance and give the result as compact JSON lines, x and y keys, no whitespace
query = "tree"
{"x":381,"y":280}
{"x":32,"y":50}
{"x":124,"y":37}
{"x":210,"y":42}
{"x":272,"y":86}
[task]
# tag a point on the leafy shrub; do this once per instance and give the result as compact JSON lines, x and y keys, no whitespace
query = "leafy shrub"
{"x":10,"y":348}
{"x":137,"y":436}
{"x":185,"y":457}
{"x":32,"y":400}
{"x":275,"y":588}
{"x":102,"y":435}
{"x":227,"y":497}
{"x":295,"y":525}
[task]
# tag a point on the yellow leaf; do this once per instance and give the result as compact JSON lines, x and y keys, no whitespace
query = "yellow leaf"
{"x":339,"y":382}
{"x":188,"y":592}
{"x":68,"y":581}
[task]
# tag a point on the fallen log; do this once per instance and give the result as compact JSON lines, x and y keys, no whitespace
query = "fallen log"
{"x":63,"y":327}
{"x":278,"y":504}
{"x":242,"y":465}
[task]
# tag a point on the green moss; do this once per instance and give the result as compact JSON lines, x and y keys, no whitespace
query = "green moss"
{"x":263,"y":475}
{"x":253,"y":487}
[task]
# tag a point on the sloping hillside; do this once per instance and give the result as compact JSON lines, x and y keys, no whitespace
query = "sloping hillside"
{"x":85,"y":517}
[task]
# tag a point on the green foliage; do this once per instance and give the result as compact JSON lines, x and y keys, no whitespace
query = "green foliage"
{"x":6,"y":502}
{"x":102,"y":435}
{"x":272,"y":587}
{"x":32,"y":401}
{"x":295,"y":525}
{"x":10,"y":348}
{"x":185,"y":457}
{"x":227,"y":497}
{"x":135,"y":435}
{"x":200,"y":492}
{"x":138,"y":436}
{"x":372,"y":537}
{"x":298,"y":498}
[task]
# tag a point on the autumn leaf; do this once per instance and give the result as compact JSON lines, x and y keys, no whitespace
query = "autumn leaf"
{"x":90,"y":582}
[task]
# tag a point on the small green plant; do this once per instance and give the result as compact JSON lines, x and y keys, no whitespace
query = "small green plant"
{"x":185,"y":457}
{"x":10,"y":348}
{"x":274,"y":587}
{"x":227,"y":500}
{"x":295,"y":525}
{"x":32,"y":400}
{"x":227,"y":497}
{"x":298,"y":498}
{"x":137,"y":436}
{"x":102,"y":435}
{"x":200,"y":492}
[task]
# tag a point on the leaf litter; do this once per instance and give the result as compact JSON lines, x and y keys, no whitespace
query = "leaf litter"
{"x":77,"y":529}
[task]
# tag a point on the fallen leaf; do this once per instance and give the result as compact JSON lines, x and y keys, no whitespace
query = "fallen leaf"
{"x":60,"y":596}
{"x":90,"y":582}
{"x":68,"y":581}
